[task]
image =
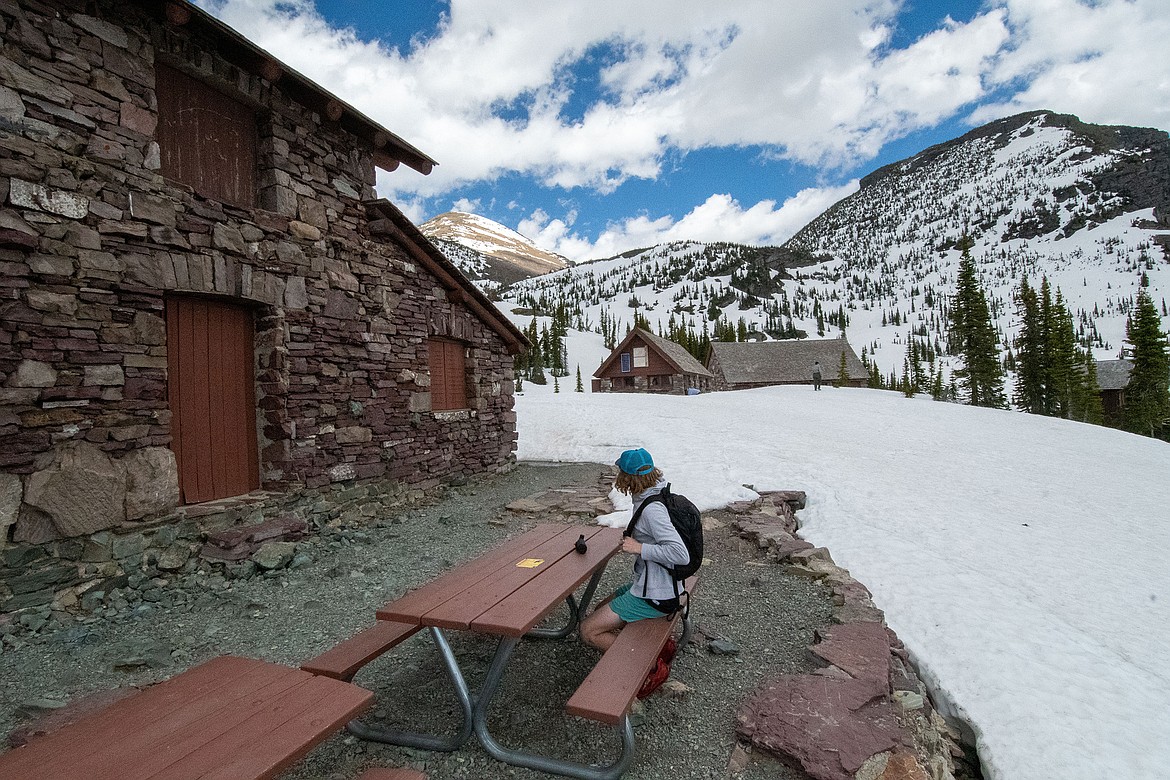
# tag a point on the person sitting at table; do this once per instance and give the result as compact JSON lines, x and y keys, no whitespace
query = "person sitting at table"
{"x":655,"y":544}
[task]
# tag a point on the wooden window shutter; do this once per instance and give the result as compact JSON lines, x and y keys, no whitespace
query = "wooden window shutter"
{"x":207,"y":140}
{"x":448,"y":375}
{"x":212,"y":398}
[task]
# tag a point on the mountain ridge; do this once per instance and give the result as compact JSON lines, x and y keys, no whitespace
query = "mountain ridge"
{"x":487,"y":252}
{"x":1040,"y":194}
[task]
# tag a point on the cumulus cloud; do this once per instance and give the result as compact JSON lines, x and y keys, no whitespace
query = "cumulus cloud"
{"x":719,"y":218}
{"x":590,"y":93}
{"x":1105,"y":61}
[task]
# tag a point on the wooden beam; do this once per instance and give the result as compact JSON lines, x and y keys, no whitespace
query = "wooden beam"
{"x":384,"y":161}
{"x":271,"y":70}
{"x":178,"y":14}
{"x":334,"y":110}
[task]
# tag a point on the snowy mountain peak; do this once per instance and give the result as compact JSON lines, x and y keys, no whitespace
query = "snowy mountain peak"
{"x":487,"y":251}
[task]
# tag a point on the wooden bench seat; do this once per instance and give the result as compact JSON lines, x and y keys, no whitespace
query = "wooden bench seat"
{"x":380,"y":773}
{"x":607,"y":693}
{"x":343,"y":661}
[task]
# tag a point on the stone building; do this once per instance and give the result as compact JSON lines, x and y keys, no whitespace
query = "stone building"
{"x":201,"y":299}
{"x":744,"y":365}
{"x":645,"y":363}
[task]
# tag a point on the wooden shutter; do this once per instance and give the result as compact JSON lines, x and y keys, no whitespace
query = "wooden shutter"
{"x":448,"y":375}
{"x":212,"y":398}
{"x":206,"y":139}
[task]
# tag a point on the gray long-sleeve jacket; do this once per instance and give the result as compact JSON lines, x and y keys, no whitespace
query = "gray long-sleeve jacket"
{"x":661,"y":544}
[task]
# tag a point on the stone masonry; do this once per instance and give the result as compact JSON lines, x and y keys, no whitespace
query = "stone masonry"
{"x":93,"y":239}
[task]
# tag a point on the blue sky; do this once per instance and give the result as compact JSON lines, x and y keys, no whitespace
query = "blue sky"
{"x":598,"y":126}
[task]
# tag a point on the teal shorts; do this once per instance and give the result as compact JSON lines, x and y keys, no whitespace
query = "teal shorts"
{"x":631,"y":608}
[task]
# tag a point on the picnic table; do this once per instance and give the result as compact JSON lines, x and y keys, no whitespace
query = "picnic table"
{"x":230,"y":718}
{"x":508,"y":592}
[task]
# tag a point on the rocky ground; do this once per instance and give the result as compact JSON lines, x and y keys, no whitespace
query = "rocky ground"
{"x":765,"y":617}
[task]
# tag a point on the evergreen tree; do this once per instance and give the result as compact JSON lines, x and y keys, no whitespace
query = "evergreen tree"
{"x":973,"y":338}
{"x":842,"y":372}
{"x":1030,"y":363}
{"x":580,"y":387}
{"x":1067,"y":378}
{"x":1147,"y":396}
{"x":1086,"y":405}
{"x":556,"y":384}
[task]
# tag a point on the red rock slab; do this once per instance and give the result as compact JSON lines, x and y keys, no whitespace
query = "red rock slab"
{"x":862,"y":649}
{"x":830,"y":726}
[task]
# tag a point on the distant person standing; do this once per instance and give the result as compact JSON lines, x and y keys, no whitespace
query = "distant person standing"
{"x":816,"y":375}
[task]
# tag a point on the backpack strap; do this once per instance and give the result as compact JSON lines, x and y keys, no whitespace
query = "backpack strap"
{"x":660,"y":496}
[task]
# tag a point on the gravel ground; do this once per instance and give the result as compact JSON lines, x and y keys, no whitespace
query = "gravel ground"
{"x":293,"y":615}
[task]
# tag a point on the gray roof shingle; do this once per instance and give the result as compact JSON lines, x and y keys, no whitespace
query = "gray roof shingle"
{"x":765,"y":362}
{"x":676,"y":353}
{"x":1113,"y":374}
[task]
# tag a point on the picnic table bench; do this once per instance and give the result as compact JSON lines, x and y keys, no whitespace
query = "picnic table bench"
{"x":507,"y":592}
{"x":608,"y":692}
{"x":230,"y":718}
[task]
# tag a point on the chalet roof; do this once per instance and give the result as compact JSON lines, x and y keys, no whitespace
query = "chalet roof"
{"x":674,"y":353}
{"x":387,"y":220}
{"x":389,"y":149}
{"x":1113,"y":374}
{"x":791,"y":360}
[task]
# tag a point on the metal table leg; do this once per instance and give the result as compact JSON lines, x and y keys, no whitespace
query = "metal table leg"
{"x":428,"y":741}
{"x":531,"y":760}
{"x":575,"y":611}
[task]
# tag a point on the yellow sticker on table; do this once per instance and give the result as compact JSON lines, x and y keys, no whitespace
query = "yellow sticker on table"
{"x":530,"y":563}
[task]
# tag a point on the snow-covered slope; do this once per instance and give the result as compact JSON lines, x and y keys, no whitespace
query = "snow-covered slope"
{"x":1020,"y":558}
{"x":1040,"y":194}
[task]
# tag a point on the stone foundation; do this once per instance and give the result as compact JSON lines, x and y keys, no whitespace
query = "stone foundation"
{"x":52,"y":584}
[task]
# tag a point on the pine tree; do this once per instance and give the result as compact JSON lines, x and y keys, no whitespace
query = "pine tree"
{"x":1030,"y":363}
{"x":580,"y":387}
{"x":1147,"y":396}
{"x":556,"y":384}
{"x":973,"y":338}
{"x":842,"y":372}
{"x":1086,"y":405}
{"x":1065,"y":366}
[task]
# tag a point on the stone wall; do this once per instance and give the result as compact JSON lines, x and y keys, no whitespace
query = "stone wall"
{"x":93,"y":239}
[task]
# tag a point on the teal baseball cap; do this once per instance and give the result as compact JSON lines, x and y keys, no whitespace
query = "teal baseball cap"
{"x":635,"y":462}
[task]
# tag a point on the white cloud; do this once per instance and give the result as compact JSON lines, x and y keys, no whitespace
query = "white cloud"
{"x":719,"y":218}
{"x":468,"y":205}
{"x":1107,"y":61}
{"x":817,"y":83}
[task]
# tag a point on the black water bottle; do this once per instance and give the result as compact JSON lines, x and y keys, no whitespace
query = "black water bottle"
{"x":580,"y":545}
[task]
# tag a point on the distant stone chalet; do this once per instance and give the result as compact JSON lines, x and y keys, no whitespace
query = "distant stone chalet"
{"x":744,"y":365}
{"x":202,"y":298}
{"x":645,"y":363}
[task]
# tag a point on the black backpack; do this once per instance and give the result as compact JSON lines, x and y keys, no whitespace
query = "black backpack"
{"x":685,"y":518}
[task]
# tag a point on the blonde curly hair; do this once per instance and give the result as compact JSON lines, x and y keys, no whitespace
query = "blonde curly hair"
{"x":632,"y":484}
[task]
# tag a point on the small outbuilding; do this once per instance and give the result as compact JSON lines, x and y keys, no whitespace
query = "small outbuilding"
{"x":645,"y":363}
{"x":1112,"y":379}
{"x":743,"y":365}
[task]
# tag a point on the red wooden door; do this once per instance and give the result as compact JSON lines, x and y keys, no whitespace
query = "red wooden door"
{"x":212,"y":398}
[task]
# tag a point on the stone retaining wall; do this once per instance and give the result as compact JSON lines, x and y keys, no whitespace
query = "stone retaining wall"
{"x":51,"y":585}
{"x":866,"y":715}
